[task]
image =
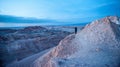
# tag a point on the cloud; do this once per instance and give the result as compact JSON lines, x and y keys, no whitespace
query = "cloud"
{"x":105,"y":4}
{"x":15,"y":19}
{"x":98,"y":6}
{"x":57,"y":10}
{"x":2,"y":24}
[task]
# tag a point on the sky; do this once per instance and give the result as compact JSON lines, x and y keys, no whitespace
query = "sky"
{"x":78,"y":11}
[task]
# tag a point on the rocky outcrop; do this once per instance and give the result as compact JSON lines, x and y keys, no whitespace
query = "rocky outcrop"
{"x":97,"y":45}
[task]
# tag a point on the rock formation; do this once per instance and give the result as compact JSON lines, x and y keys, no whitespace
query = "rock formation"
{"x":97,"y":45}
{"x":27,"y":41}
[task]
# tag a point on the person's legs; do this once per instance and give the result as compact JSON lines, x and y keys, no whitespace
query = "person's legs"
{"x":75,"y":30}
{"x":1,"y":63}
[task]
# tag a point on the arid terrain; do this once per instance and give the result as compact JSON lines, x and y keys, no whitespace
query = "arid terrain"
{"x":95,"y":45}
{"x":17,"y":44}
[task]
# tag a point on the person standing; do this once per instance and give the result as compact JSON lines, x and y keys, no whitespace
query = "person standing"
{"x":75,"y":30}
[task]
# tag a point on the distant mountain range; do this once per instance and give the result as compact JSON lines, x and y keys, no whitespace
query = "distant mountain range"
{"x":9,"y":20}
{"x":15,"y":19}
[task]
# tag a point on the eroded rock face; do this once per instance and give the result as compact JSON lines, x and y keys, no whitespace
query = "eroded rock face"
{"x":97,"y":45}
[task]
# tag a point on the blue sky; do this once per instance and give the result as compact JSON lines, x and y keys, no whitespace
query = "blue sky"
{"x":79,"y":11}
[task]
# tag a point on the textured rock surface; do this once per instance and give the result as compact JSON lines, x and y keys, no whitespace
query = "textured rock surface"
{"x":97,"y":45}
{"x":27,"y":41}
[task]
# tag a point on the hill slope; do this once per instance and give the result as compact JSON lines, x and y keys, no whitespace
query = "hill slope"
{"x":97,"y":45}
